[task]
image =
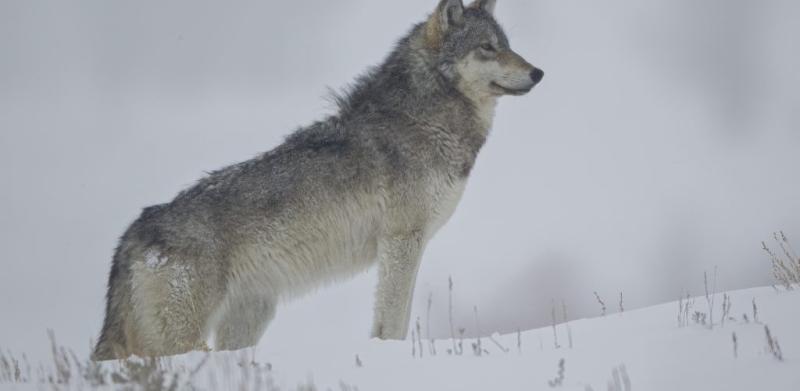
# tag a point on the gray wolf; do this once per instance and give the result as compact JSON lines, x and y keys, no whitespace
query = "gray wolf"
{"x":370,"y":184}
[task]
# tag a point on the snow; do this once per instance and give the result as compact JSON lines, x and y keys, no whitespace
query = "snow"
{"x":153,"y":259}
{"x":646,"y":349}
{"x":647,"y":344}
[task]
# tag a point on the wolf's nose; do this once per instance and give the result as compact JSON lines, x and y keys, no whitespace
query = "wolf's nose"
{"x":537,"y":75}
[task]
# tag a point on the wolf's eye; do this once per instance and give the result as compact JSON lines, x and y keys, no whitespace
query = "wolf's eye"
{"x":487,"y":47}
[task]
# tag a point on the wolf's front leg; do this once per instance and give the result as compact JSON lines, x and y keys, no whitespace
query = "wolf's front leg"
{"x":398,"y":261}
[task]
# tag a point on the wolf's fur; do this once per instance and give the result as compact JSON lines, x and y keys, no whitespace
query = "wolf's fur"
{"x":372,"y":183}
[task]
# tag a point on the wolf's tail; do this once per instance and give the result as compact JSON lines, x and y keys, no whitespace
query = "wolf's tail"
{"x":113,"y":342}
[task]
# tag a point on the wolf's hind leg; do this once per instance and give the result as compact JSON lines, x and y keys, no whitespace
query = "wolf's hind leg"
{"x":172,"y":303}
{"x":243,"y":321}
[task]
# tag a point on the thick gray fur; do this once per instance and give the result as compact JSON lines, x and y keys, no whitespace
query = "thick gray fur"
{"x":369,"y":184}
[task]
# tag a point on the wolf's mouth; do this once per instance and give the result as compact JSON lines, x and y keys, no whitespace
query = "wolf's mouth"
{"x":512,"y":91}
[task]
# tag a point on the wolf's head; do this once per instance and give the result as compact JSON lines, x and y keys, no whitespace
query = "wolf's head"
{"x":472,"y":51}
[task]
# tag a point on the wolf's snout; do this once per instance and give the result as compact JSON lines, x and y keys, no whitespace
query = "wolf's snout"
{"x":537,"y":75}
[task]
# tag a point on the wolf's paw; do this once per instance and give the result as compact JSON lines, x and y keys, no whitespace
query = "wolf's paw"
{"x":377,"y":331}
{"x":384,"y":332}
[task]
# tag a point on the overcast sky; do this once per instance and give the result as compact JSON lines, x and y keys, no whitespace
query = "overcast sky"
{"x":662,"y":142}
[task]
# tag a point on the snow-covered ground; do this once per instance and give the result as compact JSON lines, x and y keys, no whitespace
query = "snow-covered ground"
{"x":656,"y":353}
{"x":653,"y":349}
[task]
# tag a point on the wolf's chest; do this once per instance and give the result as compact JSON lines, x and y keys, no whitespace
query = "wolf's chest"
{"x":445,"y":196}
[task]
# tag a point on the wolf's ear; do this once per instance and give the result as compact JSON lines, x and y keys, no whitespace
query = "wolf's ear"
{"x":486,"y":5}
{"x":449,"y":13}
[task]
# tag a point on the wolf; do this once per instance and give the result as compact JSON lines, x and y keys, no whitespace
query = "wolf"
{"x":371,"y":183}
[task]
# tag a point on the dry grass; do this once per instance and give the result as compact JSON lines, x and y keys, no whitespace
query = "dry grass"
{"x":785,"y":263}
{"x":559,"y":379}
{"x":220,"y":371}
{"x":773,"y":347}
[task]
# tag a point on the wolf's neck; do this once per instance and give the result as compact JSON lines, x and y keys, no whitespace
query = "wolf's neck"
{"x":408,"y":84}
{"x":484,"y":108}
